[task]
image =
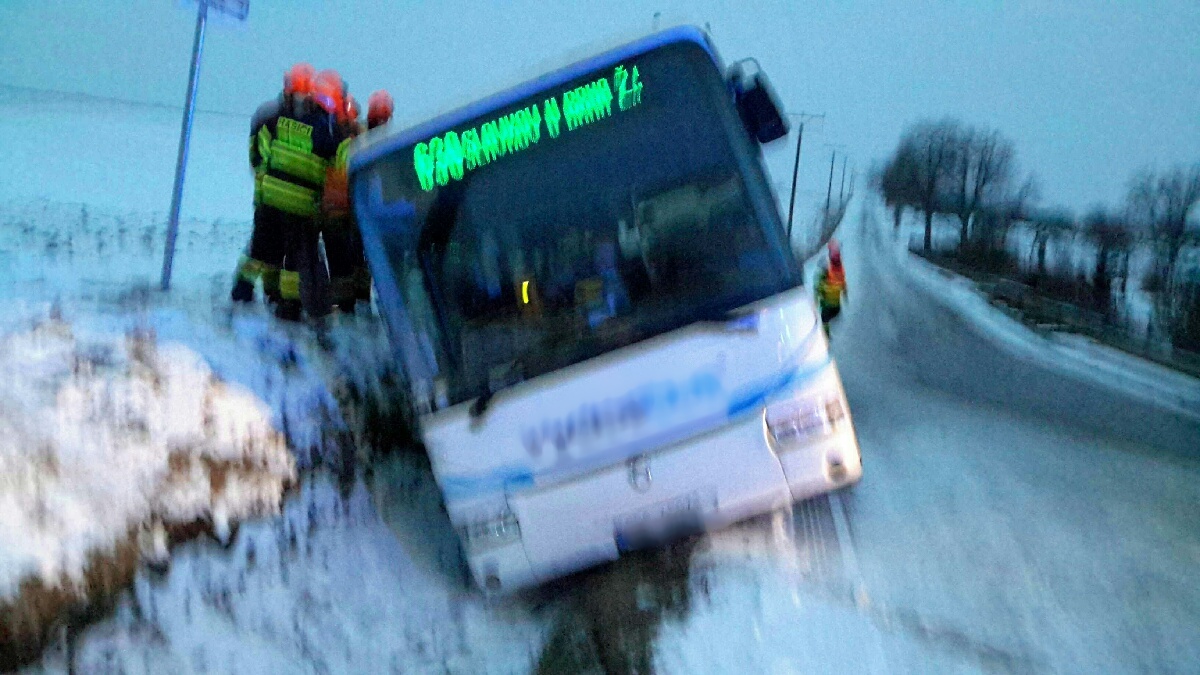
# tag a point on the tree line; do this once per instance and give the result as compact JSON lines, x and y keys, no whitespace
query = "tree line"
{"x":944,"y":167}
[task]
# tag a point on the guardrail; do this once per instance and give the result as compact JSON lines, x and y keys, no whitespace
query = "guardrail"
{"x":1046,"y":315}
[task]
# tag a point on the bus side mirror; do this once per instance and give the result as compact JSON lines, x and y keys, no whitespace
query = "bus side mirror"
{"x":757,"y":103}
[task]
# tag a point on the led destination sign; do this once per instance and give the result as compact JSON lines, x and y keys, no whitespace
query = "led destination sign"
{"x":449,"y":156}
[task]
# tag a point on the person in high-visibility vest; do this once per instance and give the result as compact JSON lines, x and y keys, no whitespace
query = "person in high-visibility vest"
{"x":350,"y":281}
{"x":291,"y":153}
{"x":264,"y":257}
{"x":831,"y":286}
{"x":337,"y":226}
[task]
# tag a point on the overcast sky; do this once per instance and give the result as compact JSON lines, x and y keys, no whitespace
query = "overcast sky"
{"x":1089,"y":90}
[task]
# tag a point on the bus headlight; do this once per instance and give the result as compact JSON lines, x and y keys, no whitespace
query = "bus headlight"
{"x":796,"y":421}
{"x":491,"y":533}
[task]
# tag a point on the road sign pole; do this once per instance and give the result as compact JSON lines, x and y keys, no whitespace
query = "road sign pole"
{"x":185,"y":135}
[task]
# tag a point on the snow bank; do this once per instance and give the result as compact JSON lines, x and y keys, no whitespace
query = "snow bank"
{"x":352,"y":583}
{"x":1082,"y":357}
{"x":105,"y":437}
{"x":766,"y":608}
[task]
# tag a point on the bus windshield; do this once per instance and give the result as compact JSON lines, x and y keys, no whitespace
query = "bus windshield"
{"x":621,"y":224}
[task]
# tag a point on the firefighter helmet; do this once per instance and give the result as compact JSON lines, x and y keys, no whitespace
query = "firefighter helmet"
{"x":299,"y":79}
{"x":379,"y":108}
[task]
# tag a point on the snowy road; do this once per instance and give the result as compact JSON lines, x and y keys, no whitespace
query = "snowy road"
{"x":1023,"y":519}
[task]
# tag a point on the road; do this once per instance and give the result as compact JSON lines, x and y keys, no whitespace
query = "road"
{"x":1019,"y":518}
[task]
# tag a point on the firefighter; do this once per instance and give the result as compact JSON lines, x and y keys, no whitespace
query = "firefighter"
{"x":379,"y":109}
{"x":350,"y":280}
{"x":265,"y":254}
{"x":292,"y":153}
{"x":831,"y":286}
{"x":337,"y":223}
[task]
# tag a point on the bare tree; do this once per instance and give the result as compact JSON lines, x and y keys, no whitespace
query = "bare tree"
{"x":897,"y":182}
{"x":1162,"y":204}
{"x":930,"y":145}
{"x":982,"y":168}
{"x":1113,"y":239}
{"x":1046,"y":227}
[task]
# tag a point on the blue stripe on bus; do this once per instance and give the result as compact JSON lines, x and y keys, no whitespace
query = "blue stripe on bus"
{"x":748,"y":399}
{"x":508,"y":97}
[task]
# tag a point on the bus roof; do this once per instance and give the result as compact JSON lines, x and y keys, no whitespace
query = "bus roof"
{"x":376,"y":146}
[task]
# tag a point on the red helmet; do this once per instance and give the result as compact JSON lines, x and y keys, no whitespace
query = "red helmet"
{"x":350,"y":110}
{"x":835,"y":253}
{"x":328,"y":91}
{"x":379,"y":108}
{"x":299,"y":79}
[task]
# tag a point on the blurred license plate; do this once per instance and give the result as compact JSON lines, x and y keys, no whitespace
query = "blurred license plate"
{"x":661,"y":522}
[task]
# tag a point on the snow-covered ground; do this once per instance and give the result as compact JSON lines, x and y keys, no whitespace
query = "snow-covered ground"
{"x":1067,"y":353}
{"x":1068,"y":253}
{"x":360,"y":572}
{"x":101,"y":435}
{"x":124,"y":408}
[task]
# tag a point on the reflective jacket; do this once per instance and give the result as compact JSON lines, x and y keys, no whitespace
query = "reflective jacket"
{"x":831,"y":284}
{"x":293,"y":144}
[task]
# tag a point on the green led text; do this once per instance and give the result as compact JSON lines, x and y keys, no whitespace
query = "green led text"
{"x":449,"y":156}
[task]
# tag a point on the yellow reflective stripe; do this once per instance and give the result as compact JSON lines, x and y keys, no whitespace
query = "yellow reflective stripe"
{"x":264,"y":144}
{"x":259,"y":174}
{"x":251,"y":269}
{"x":289,"y":285}
{"x":285,"y":196}
{"x":303,"y":165}
{"x":342,"y":158}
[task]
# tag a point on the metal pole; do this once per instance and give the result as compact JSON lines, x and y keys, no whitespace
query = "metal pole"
{"x":795,"y":173}
{"x":185,"y":135}
{"x":829,"y":192}
{"x":842,"y":189}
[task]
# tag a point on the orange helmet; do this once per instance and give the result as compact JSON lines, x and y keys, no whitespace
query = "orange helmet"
{"x":299,"y":79}
{"x":379,"y":108}
{"x":328,"y":91}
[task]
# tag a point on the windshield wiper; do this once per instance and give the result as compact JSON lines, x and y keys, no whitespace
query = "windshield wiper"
{"x":516,"y":365}
{"x":730,"y":320}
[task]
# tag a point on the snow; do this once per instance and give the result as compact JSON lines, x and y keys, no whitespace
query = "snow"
{"x":142,"y":398}
{"x":1073,"y":354}
{"x":365,"y":576}
{"x":767,"y":608}
{"x":120,"y":157}
{"x":102,"y":435}
{"x":328,"y":587}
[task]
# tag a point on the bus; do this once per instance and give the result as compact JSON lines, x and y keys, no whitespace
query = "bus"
{"x":601,"y":325}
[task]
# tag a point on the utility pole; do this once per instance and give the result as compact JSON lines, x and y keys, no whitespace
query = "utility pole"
{"x":842,"y":189}
{"x":829,"y":192}
{"x":796,"y":167}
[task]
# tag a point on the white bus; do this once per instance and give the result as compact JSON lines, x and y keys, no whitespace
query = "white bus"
{"x":592,"y":299}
